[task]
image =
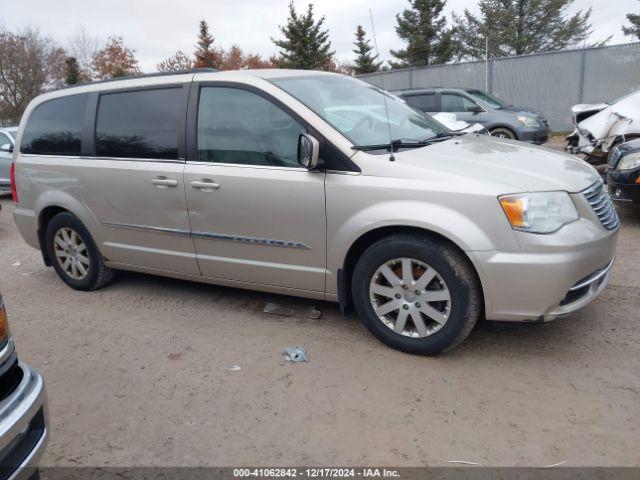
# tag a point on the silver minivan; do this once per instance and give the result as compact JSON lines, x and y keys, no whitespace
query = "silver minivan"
{"x":310,"y":184}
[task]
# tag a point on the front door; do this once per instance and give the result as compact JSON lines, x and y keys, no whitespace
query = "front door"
{"x":461,"y":105}
{"x":256,"y":215}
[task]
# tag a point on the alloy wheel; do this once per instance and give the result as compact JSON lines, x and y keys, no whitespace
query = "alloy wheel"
{"x":71,"y":253}
{"x":410,"y":297}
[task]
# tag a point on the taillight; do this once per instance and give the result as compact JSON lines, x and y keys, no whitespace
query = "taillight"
{"x":4,"y":325}
{"x":14,"y":187}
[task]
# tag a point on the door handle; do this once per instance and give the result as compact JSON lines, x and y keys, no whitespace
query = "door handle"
{"x":205,"y":185}
{"x":164,"y":182}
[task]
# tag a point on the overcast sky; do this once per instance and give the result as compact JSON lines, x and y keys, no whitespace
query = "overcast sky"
{"x":157,"y":28}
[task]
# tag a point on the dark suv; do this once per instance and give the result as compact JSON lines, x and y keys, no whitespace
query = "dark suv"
{"x":477,"y":106}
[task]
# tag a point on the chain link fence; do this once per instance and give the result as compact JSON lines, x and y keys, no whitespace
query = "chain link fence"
{"x":548,"y":82}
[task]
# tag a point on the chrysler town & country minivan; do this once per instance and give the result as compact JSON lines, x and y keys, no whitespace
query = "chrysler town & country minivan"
{"x":310,"y":184}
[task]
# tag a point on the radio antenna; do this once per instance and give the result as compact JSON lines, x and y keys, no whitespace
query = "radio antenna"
{"x":386,"y":106}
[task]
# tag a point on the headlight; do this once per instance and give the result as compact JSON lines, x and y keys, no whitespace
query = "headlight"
{"x":528,"y":121}
{"x":629,"y":162}
{"x":543,"y":212}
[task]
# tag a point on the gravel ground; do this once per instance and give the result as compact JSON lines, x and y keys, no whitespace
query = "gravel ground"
{"x":138,"y":374}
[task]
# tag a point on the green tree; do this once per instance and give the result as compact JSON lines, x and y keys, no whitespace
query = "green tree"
{"x":425,"y":31}
{"x":306,"y":44}
{"x":206,"y":56}
{"x":365,"y":61}
{"x":72,"y":74}
{"x":634,"y":29}
{"x":519,"y":27}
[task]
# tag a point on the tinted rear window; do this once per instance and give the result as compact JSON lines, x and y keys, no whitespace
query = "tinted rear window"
{"x":139,"y":124}
{"x":55,"y":127}
{"x":425,"y":102}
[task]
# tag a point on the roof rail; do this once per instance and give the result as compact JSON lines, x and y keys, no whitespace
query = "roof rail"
{"x":145,"y":75}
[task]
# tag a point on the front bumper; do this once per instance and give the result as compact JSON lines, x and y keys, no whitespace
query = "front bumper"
{"x":535,"y":283}
{"x":23,"y":426}
{"x":624,"y":187}
{"x":535,"y":135}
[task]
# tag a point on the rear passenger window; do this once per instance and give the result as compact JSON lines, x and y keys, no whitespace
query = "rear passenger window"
{"x":55,"y":127}
{"x":139,"y":124}
{"x":425,"y":103}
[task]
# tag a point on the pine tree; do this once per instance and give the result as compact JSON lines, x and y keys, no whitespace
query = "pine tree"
{"x":634,"y":29}
{"x":72,"y":74}
{"x":206,"y":56}
{"x":365,"y":61}
{"x":519,"y":27}
{"x":305,"y":45}
{"x":428,"y":40}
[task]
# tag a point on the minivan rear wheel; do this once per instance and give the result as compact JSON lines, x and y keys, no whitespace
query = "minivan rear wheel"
{"x":416,"y":293}
{"x":74,"y":255}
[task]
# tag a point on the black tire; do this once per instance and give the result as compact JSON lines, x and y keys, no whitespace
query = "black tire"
{"x":452,"y":266}
{"x":503,"y":132}
{"x":98,"y":274}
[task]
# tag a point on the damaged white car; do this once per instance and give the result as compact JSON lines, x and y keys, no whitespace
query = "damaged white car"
{"x":601,"y":126}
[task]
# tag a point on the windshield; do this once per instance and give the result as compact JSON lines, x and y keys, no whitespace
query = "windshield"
{"x":357,"y":109}
{"x":486,"y":98}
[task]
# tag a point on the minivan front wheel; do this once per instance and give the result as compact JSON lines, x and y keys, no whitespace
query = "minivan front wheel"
{"x":74,"y":255}
{"x":416,"y":294}
{"x":502,"y":132}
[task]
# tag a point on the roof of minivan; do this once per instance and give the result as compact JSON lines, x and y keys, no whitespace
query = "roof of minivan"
{"x":180,"y":76}
{"x":430,"y":89}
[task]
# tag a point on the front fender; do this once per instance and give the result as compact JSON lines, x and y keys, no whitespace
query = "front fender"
{"x":463,"y":231}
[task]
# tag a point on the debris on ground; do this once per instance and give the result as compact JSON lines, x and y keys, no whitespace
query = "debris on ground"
{"x":16,"y":264}
{"x":462,"y":462}
{"x":295,"y":354}
{"x":292,"y":310}
{"x":233,"y":368}
{"x":556,"y":464}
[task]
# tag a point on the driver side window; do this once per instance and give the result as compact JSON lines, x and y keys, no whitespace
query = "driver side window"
{"x":241,"y":127}
{"x":452,"y":102}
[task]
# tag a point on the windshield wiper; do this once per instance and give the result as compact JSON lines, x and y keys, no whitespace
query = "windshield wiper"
{"x":440,"y":137}
{"x":396,"y":144}
{"x":400,"y":143}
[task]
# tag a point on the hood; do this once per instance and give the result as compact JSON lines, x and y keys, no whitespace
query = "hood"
{"x":519,"y":167}
{"x":518,"y":109}
{"x":621,"y":117}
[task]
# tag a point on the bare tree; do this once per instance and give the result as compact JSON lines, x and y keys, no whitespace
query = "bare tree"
{"x":83,"y":47}
{"x":29,"y":64}
{"x":178,"y":61}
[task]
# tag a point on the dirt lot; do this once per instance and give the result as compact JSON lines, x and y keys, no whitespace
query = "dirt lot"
{"x":137,"y":375}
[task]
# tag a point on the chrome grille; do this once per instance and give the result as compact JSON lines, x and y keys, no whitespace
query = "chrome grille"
{"x":600,"y":202}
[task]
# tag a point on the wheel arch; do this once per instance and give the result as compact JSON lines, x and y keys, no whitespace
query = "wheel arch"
{"x":51,"y":205}
{"x":44,"y":217}
{"x":506,"y":127}
{"x":368,"y":238}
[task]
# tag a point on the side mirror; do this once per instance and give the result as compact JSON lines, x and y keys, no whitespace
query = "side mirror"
{"x":308,"y":151}
{"x":7,"y":148}
{"x":475,"y":109}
